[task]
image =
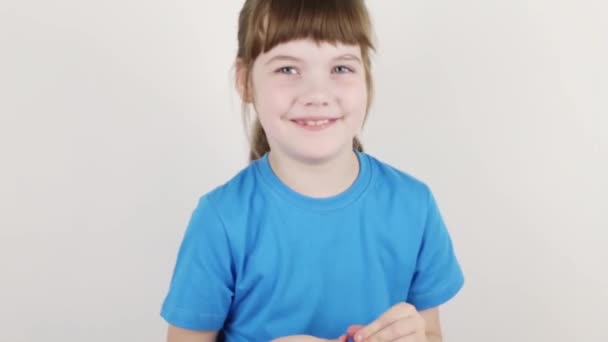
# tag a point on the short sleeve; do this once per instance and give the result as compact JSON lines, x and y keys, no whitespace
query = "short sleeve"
{"x":438,"y":275}
{"x":202,"y":285}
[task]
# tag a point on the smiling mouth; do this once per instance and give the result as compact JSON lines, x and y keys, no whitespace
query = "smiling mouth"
{"x":315,"y":124}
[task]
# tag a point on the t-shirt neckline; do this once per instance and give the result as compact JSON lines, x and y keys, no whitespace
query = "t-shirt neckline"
{"x":352,"y":193}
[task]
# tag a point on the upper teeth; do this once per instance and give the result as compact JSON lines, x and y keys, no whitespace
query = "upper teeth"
{"x":315,"y":123}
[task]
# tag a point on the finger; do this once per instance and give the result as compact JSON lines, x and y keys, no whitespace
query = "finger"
{"x":352,"y":330}
{"x":398,"y":311}
{"x":397,"y":330}
{"x":411,"y":338}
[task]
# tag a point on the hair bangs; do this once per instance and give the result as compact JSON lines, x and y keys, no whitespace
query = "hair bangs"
{"x":332,"y":21}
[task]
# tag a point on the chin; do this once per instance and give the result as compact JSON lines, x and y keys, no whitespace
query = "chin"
{"x":318,"y":153}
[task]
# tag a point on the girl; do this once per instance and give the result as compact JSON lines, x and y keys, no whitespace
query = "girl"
{"x":315,"y":239}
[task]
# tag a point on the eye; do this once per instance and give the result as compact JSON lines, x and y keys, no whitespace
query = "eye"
{"x":288,"y":70}
{"x":342,"y":69}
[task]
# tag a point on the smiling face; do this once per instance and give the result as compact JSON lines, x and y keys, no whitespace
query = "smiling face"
{"x":310,"y":97}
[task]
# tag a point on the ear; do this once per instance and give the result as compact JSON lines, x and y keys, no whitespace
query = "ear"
{"x":241,"y":81}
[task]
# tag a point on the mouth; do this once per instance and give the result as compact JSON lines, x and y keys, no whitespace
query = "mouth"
{"x":315,"y":124}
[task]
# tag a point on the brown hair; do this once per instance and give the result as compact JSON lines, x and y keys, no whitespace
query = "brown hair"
{"x":264,"y":24}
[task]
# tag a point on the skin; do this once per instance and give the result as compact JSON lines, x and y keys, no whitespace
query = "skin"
{"x":301,"y":79}
{"x":401,"y":323}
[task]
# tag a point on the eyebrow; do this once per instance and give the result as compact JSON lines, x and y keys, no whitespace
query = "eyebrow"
{"x":282,"y":58}
{"x":287,"y":58}
{"x":348,"y":57}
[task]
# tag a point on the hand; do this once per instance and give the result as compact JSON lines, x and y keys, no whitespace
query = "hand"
{"x":307,"y":338}
{"x":400,"y":323}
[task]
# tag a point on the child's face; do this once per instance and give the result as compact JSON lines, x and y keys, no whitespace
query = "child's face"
{"x":311,"y":99}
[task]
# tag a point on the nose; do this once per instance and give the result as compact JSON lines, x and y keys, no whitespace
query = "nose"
{"x":316,"y":93}
{"x":315,"y":99}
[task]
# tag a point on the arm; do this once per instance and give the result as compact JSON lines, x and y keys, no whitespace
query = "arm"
{"x":307,"y":338}
{"x":175,"y":334}
{"x":433,"y":324}
{"x":401,"y":322}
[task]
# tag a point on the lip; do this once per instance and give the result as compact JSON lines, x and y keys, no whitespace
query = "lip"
{"x":314,"y":118}
{"x":331,"y":122}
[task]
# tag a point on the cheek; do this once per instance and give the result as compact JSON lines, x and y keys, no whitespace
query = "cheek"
{"x":272,"y":99}
{"x":354,"y":96}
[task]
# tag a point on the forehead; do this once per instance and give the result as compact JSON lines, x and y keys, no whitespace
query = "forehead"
{"x":308,"y":49}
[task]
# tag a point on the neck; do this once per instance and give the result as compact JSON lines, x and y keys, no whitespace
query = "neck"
{"x":316,"y":179}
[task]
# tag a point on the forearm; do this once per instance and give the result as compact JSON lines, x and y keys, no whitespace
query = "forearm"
{"x":433,"y":338}
{"x":298,"y":338}
{"x":285,"y":338}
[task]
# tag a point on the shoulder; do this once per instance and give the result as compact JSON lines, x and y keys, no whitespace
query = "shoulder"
{"x":224,"y":211}
{"x":393,"y":180}
{"x":234,"y":193}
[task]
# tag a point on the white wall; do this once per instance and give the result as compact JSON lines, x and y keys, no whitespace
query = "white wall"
{"x":116,"y":115}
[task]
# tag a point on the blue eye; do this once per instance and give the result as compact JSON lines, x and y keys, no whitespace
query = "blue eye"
{"x":287,"y":70}
{"x":341,"y":69}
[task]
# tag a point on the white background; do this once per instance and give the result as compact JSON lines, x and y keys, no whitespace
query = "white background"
{"x":115,"y":116}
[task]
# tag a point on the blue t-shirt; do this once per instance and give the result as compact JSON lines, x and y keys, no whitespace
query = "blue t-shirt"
{"x":260,"y":261}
